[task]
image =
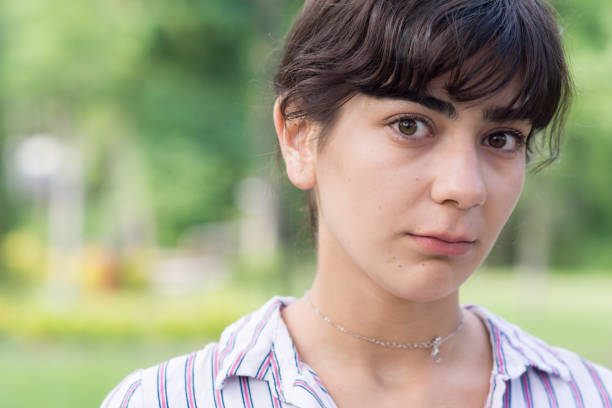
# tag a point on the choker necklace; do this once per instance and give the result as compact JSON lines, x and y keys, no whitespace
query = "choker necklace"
{"x":434,"y":343}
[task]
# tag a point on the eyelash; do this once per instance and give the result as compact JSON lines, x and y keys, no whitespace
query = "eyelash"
{"x":396,"y":121}
{"x":519,"y":138}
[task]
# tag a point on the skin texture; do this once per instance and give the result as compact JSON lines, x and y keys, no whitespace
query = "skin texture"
{"x":410,"y":202}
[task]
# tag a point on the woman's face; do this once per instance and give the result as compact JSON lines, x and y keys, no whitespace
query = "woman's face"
{"x":414,"y":196}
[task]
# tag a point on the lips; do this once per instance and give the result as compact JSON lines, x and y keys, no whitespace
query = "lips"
{"x":443,"y":244}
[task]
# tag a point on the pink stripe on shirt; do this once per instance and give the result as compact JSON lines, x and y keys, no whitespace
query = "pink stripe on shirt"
{"x":600,"y":388}
{"x":161,"y":385}
{"x":189,"y":385}
{"x":245,"y":392}
{"x":128,"y":395}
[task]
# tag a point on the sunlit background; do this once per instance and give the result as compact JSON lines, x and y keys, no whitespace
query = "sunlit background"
{"x":142,"y":208}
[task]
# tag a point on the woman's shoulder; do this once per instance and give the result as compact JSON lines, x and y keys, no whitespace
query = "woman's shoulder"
{"x":163,"y":383}
{"x":242,"y":351}
{"x":532,"y":363}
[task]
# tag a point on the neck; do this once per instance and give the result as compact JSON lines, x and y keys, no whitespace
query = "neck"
{"x":346,"y":294}
{"x":350,"y":314}
{"x":323,"y":346}
{"x":374,"y":313}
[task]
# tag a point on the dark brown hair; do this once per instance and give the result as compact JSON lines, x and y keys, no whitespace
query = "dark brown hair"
{"x":395,"y":48}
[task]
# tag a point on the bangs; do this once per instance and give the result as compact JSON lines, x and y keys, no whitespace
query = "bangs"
{"x":480,"y":47}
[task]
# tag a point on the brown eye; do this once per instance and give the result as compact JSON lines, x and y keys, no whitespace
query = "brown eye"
{"x":411,"y":129}
{"x":505,"y":141}
{"x":498,"y":140}
{"x":408,"y":126}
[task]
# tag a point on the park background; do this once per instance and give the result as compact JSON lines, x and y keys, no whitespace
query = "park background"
{"x":142,"y":208}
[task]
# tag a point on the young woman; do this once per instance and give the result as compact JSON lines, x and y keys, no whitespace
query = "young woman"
{"x":410,"y":123}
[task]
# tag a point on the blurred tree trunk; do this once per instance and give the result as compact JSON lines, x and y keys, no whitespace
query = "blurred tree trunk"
{"x":535,"y":228}
{"x":7,"y":208}
{"x":534,"y":239}
{"x":264,"y":54}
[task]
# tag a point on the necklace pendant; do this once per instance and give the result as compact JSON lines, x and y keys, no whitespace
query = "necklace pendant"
{"x":435,"y":353}
{"x":436,"y":349}
{"x":432,"y":344}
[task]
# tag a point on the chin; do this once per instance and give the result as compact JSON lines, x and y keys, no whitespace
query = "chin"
{"x":426,"y":283}
{"x":423,"y":295}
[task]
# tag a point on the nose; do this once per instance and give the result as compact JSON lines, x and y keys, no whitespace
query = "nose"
{"x":459,"y":178}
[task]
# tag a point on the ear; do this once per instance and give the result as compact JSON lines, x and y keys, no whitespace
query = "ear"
{"x":298,"y":143}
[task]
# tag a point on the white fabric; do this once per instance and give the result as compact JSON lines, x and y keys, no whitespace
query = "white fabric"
{"x":255,"y":365}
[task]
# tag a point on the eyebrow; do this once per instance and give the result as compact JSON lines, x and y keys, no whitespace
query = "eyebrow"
{"x":437,"y":105}
{"x":494,"y":114}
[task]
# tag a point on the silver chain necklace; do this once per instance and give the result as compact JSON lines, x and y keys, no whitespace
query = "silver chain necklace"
{"x":434,"y":343}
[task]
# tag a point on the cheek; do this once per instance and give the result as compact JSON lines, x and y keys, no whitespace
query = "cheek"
{"x":357,"y":201}
{"x":367,"y":186}
{"x":348,"y":199}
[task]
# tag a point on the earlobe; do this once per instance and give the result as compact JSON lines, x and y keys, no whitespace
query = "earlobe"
{"x":297,"y":141}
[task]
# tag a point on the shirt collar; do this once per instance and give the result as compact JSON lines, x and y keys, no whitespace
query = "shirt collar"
{"x":244,"y":348}
{"x":260,"y":346}
{"x":515,"y":351}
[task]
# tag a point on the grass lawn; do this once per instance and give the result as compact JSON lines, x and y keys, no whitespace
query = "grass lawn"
{"x":573,"y":311}
{"x":67,"y":374}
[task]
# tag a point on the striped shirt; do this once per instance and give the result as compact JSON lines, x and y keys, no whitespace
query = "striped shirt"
{"x":255,"y":365}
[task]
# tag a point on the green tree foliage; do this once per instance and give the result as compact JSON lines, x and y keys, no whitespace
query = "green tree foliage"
{"x":186,"y":96}
{"x":169,"y":78}
{"x":583,"y":198}
{"x":173,"y":97}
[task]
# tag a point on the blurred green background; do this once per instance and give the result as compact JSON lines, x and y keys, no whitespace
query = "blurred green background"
{"x":142,"y":208}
